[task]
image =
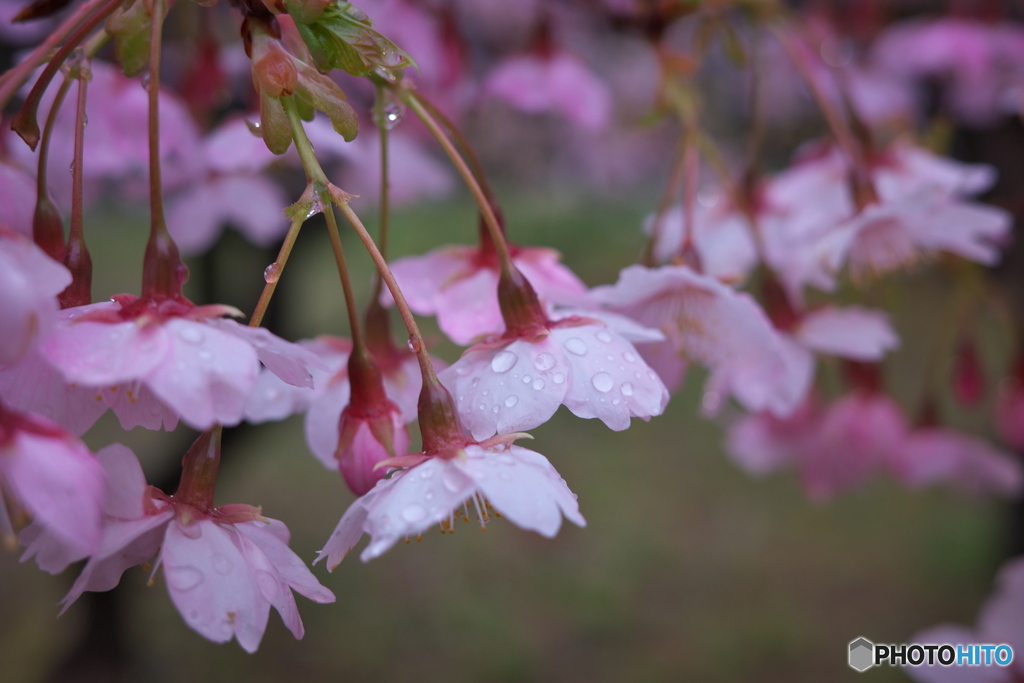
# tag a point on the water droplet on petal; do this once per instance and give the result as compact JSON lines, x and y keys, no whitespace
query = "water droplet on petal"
{"x":451,"y":481}
{"x":544,"y":361}
{"x":511,"y":401}
{"x":576,"y":345}
{"x":558,"y":378}
{"x":183,"y":578}
{"x":483,"y":407}
{"x":496,"y":410}
{"x":272,"y":273}
{"x":461,"y":369}
{"x":414,"y":513}
{"x":616,"y":401}
{"x":527,"y":379}
{"x":426,"y":473}
{"x":191,"y":334}
{"x":603,"y":336}
{"x":503,"y":361}
{"x":221,"y":564}
{"x":629,"y":357}
{"x":476,"y":381}
{"x":538,"y":384}
{"x":506,"y":459}
{"x":626,"y":389}
{"x":603,"y":382}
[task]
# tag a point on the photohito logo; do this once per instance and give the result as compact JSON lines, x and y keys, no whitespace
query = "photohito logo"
{"x":863,"y":654}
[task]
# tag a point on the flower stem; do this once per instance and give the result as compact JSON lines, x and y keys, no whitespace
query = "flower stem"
{"x":358,"y":344}
{"x":77,"y":257}
{"x":275,"y":269}
{"x":486,"y":209}
{"x":47,"y":228}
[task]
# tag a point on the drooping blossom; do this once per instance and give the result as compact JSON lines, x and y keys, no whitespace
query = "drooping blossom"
{"x":29,"y":284}
{"x":839,"y":446}
{"x":978,"y":65}
{"x":117,"y":141}
{"x":185,"y":357}
{"x":552,"y":82}
{"x":812,"y":224}
{"x":225,"y":566}
{"x":228,"y":190}
{"x":50,"y":474}
{"x":460,"y":286}
{"x":323,"y":403}
{"x":517,"y":381}
{"x":516,"y":482}
{"x":707,"y":321}
{"x":720,"y":236}
{"x":1000,"y":621}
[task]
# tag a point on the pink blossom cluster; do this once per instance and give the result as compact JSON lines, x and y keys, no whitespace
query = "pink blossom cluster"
{"x":760,"y":283}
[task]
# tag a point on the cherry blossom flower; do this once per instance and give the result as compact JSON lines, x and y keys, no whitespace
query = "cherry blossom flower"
{"x":460,"y":286}
{"x":17,"y":198}
{"x":117,"y":143}
{"x":1000,"y":620}
{"x":555,"y":82}
{"x":29,"y":284}
{"x":705,"y":320}
{"x":229,"y":190}
{"x":52,"y":475}
{"x":324,"y":402}
{"x":514,"y":383}
{"x":518,"y":483}
{"x":225,"y":567}
{"x":720,"y":235}
{"x":934,"y":455}
{"x":188,"y":359}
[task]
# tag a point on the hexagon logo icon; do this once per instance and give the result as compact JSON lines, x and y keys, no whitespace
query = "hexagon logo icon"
{"x":862,"y":653}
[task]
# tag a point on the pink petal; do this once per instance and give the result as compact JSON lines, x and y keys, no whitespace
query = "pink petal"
{"x":321,"y":424}
{"x":524,"y":487}
{"x":851,"y":332}
{"x":291,"y":362}
{"x":126,"y":483}
{"x":289,"y":567}
{"x":468,"y":308}
{"x":135,"y":405}
{"x":213,"y":585}
{"x":34,"y":385}
{"x":29,"y":284}
{"x":423,"y":277}
{"x":17,"y":198}
{"x":607,"y":377}
{"x":98,"y":353}
{"x":932,"y":456}
{"x":513,"y":388}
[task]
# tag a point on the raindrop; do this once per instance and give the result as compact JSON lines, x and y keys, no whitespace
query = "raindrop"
{"x":603,"y":382}
{"x":272,"y":273}
{"x":616,"y":401}
{"x":603,"y":336}
{"x":511,"y":401}
{"x":544,"y":361}
{"x":483,"y":407}
{"x":538,"y":384}
{"x":414,"y":513}
{"x":504,"y":361}
{"x":205,"y":354}
{"x":392,"y":116}
{"x":222,"y":564}
{"x":558,"y":378}
{"x":183,"y":578}
{"x":451,"y":481}
{"x":527,"y":379}
{"x":146,"y":80}
{"x":626,"y":389}
{"x":485,"y":392}
{"x":576,"y":345}
{"x":629,"y":357}
{"x":496,"y":410}
{"x":462,"y":370}
{"x":426,"y":473}
{"x":414,"y":344}
{"x":476,"y":381}
{"x":191,"y":334}
{"x":72,"y":168}
{"x":181,"y":271}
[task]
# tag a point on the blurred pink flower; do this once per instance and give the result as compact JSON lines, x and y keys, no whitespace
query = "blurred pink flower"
{"x":49,"y":473}
{"x":721,"y":237}
{"x":29,"y":284}
{"x":559,"y":82}
{"x":518,"y":483}
{"x":460,"y":286}
{"x":707,"y":321}
{"x":191,"y":361}
{"x":511,"y":384}
{"x":935,"y":455}
{"x":1000,"y":621}
{"x":225,"y":567}
{"x":17,"y":198}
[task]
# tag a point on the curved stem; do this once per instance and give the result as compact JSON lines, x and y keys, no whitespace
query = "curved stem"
{"x":486,"y":210}
{"x":385,"y":190}
{"x":16,"y":77}
{"x":47,"y":136}
{"x":346,"y":281}
{"x":77,"y":257}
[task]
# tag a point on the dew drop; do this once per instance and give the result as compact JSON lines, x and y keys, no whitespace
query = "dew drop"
{"x":538,"y":384}
{"x":146,"y":80}
{"x":496,"y":410}
{"x":476,"y":381}
{"x":392,"y":116}
{"x":205,"y":354}
{"x":626,"y":389}
{"x":414,"y":344}
{"x":272,"y":273}
{"x":221,"y":564}
{"x":609,"y":357}
{"x":181,"y":272}
{"x":616,"y":401}
{"x":429,"y":495}
{"x":485,"y":392}
{"x":451,"y":481}
{"x":629,"y":357}
{"x":576,"y":345}
{"x":504,"y":361}
{"x":506,"y":459}
{"x":527,"y":379}
{"x":603,"y":382}
{"x":426,"y":473}
{"x":558,"y":378}
{"x":603,"y":336}
{"x":511,"y":401}
{"x":191,"y":334}
{"x":414,"y":513}
{"x":461,"y":369}
{"x":183,"y":578}
{"x":544,"y":361}
{"x":483,"y":407}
